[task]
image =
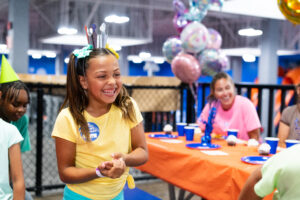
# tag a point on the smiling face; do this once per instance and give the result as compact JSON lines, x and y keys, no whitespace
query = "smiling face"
{"x":224,"y":92}
{"x":102,"y":80}
{"x":12,"y":111}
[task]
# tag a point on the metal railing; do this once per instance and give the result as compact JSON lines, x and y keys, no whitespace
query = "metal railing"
{"x":40,"y":164}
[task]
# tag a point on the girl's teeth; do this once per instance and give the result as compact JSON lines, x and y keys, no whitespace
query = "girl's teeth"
{"x":109,"y":91}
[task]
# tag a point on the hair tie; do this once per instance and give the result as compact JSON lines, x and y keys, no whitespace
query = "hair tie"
{"x":84,"y":52}
{"x":112,"y":50}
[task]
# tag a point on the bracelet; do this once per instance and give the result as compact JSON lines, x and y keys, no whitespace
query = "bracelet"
{"x":99,"y":173}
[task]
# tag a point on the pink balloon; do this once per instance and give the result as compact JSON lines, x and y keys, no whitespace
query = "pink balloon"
{"x":186,"y":68}
{"x":179,"y":22}
{"x":179,"y":7}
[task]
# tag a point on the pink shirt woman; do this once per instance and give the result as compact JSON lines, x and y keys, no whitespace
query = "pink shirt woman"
{"x":233,"y":111}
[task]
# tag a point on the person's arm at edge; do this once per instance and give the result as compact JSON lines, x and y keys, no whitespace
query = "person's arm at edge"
{"x":68,"y":173}
{"x":254,"y":134}
{"x":248,"y":192}
{"x":283,"y":133}
{"x":16,"y":171}
{"x":139,"y":153}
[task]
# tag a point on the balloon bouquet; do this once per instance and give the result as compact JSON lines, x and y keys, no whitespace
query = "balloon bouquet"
{"x":197,"y":49}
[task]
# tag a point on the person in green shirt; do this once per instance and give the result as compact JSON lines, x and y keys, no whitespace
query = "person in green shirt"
{"x":22,"y":125}
{"x":281,"y":174}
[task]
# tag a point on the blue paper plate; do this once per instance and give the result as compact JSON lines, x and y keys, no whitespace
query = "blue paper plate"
{"x":162,"y":136}
{"x":255,"y":160}
{"x":203,"y":146}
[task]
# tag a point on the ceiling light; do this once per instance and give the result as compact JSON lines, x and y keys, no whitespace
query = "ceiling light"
{"x":144,"y":55}
{"x":250,"y":32}
{"x":116,"y":19}
{"x":4,"y":49}
{"x":37,"y":53}
{"x":134,"y":59}
{"x":256,"y":52}
{"x":36,"y":56}
{"x":139,"y":59}
{"x":80,"y":40}
{"x":116,"y":47}
{"x":66,"y":30}
{"x":50,"y":54}
{"x":249,"y":58}
{"x":250,"y":8}
{"x":66,"y":60}
{"x":3,"y":46}
{"x":159,"y":60}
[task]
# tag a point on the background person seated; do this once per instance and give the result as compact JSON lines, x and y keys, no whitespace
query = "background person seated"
{"x":289,"y":126}
{"x":233,"y":111}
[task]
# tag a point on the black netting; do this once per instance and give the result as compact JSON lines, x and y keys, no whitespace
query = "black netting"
{"x":41,"y":172}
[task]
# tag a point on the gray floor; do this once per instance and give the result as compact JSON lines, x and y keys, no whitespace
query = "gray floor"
{"x":156,"y":187}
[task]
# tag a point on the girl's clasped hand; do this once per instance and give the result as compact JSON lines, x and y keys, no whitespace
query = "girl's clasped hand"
{"x":114,"y":168}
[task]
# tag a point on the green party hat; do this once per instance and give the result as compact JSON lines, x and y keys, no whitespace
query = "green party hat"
{"x":7,"y":72}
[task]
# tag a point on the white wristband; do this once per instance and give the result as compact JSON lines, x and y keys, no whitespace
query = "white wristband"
{"x":99,"y":173}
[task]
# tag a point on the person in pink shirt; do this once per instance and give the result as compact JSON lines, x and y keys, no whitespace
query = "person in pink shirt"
{"x":233,"y":111}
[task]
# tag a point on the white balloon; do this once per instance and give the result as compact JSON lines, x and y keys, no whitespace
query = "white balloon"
{"x":194,"y":37}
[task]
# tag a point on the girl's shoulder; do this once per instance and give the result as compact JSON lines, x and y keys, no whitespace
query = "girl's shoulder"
{"x":243,"y":100}
{"x":64,"y":113}
{"x":290,"y":108}
{"x":10,"y":131}
{"x":7,"y":126}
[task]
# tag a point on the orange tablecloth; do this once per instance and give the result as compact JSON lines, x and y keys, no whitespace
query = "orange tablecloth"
{"x":212,"y":177}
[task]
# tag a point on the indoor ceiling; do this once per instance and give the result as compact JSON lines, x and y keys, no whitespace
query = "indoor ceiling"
{"x":150,"y":22}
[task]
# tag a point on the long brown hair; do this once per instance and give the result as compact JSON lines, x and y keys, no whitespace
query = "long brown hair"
{"x":76,"y":97}
{"x":211,"y":98}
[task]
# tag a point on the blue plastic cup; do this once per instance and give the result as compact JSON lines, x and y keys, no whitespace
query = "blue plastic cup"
{"x":232,"y":132}
{"x":290,"y":143}
{"x":273,"y":142}
{"x":189,"y":133}
{"x":180,"y":128}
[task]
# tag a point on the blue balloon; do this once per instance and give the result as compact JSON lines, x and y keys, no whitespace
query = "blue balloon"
{"x":197,"y":11}
{"x":171,"y":48}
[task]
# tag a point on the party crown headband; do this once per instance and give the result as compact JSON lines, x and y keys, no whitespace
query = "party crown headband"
{"x":94,"y":41}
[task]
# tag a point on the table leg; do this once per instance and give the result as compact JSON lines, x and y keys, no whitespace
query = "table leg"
{"x":181,"y":194}
{"x":172,"y":195}
{"x":190,"y":196}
